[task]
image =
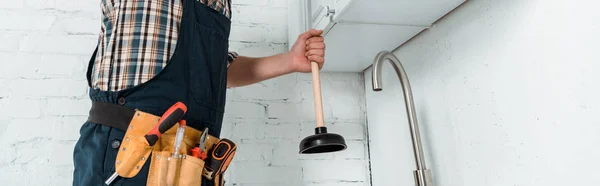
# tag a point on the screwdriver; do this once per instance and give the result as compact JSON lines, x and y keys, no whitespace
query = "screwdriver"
{"x":172,"y":116}
{"x":168,"y":119}
{"x":179,"y":138}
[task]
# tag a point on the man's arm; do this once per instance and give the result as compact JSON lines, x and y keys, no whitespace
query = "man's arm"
{"x":248,"y":70}
{"x":309,"y":47}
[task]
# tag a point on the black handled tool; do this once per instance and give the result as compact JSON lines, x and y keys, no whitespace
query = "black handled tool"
{"x":219,"y":158}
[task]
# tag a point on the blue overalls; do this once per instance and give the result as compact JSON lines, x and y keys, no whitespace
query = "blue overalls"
{"x":195,"y":75}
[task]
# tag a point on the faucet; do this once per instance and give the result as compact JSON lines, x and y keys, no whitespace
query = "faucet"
{"x":422,"y":174}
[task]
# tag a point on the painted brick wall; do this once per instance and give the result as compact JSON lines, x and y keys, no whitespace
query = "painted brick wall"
{"x":44,"y":48}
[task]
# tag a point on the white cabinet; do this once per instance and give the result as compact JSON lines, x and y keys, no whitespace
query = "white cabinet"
{"x":315,"y":5}
{"x":356,"y":30}
{"x":321,"y":14}
{"x":399,"y":12}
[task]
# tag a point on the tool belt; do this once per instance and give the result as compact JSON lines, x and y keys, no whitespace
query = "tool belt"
{"x":165,"y":169}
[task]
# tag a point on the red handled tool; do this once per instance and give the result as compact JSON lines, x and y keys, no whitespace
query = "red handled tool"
{"x":200,"y":151}
{"x":168,"y":119}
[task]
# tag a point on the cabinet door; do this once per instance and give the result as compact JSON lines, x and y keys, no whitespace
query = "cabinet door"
{"x":320,"y":18}
{"x":316,"y":4}
{"x":338,"y":7}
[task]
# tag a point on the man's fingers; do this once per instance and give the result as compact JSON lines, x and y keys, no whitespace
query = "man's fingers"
{"x":314,"y":45}
{"x":317,"y":45}
{"x":315,"y":52}
{"x":315,"y":39}
{"x":314,"y":32}
{"x":309,"y":34}
{"x":318,"y":59}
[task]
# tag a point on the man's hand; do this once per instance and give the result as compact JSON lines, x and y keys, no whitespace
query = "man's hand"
{"x":310,"y":47}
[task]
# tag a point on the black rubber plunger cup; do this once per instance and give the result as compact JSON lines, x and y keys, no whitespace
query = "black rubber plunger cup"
{"x":321,"y":141}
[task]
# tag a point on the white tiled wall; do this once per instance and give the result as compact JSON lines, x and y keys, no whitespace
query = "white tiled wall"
{"x":44,"y":48}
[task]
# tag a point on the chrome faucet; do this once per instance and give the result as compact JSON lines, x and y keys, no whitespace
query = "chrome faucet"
{"x":422,"y":174}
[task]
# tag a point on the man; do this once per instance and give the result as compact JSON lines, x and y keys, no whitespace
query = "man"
{"x":152,"y":54}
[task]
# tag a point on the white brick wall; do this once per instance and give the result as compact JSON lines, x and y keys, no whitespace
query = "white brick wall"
{"x":272,"y":129}
{"x":44,"y":48}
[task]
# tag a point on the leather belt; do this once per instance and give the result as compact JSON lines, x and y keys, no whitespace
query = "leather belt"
{"x":111,"y":115}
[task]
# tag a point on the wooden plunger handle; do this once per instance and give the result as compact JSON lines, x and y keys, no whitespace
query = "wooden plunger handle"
{"x":317,"y":93}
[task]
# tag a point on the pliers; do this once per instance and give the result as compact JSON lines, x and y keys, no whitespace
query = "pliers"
{"x":200,"y":151}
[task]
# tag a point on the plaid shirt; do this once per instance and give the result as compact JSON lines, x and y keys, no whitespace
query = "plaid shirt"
{"x":137,"y":38}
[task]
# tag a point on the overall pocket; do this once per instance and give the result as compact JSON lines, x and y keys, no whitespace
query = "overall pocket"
{"x":208,"y":66}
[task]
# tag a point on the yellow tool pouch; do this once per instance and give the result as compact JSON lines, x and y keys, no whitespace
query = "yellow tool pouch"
{"x":165,"y":169}
{"x":182,"y":170}
{"x":134,"y":150}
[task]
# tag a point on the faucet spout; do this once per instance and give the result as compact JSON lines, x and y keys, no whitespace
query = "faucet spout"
{"x":422,"y":174}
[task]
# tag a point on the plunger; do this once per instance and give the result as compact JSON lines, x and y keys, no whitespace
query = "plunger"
{"x":321,"y":141}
